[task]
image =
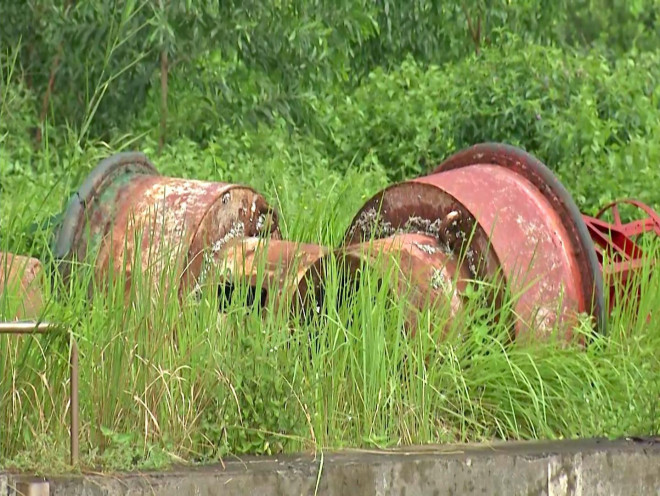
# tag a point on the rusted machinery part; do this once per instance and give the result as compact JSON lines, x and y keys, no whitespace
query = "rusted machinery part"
{"x":650,"y":223}
{"x":21,"y":286}
{"x":295,"y":275}
{"x":283,"y":273}
{"x":532,"y":178}
{"x":616,"y":243}
{"x":68,"y":241}
{"x":617,"y":239}
{"x":502,"y":213}
{"x":424,"y":208}
{"x":127,"y":213}
{"x":427,"y":273}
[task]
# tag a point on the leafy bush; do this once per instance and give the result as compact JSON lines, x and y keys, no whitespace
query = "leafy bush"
{"x":595,"y":123}
{"x":17,"y":117}
{"x":106,"y":59}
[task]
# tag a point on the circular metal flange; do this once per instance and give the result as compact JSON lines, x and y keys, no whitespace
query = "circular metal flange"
{"x":72,"y":222}
{"x":415,"y":207}
{"x":425,"y":208}
{"x":537,"y":173}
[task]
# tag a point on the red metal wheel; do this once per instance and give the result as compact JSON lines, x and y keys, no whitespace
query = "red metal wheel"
{"x":636,"y":227}
{"x":516,"y":223}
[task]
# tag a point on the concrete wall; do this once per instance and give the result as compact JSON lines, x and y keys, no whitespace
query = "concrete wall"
{"x":598,"y":467}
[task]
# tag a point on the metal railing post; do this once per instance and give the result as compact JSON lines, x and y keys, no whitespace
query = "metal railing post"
{"x":45,"y":328}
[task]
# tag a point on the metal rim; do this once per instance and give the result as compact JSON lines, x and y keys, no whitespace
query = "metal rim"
{"x":472,"y":222}
{"x":90,"y":188}
{"x":553,"y":190}
{"x":487,"y":262}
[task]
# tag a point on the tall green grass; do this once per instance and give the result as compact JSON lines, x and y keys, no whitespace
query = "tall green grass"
{"x":164,"y":382}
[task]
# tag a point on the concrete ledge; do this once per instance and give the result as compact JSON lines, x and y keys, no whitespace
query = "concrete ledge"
{"x":580,"y":467}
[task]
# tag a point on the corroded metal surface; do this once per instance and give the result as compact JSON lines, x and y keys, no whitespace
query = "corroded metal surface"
{"x":424,"y":272}
{"x":416,"y":207}
{"x":127,"y":219}
{"x":502,"y":214}
{"x":493,"y":176}
{"x":284,"y":274}
{"x":21,"y":286}
{"x":491,"y":213}
{"x":81,"y":230}
{"x":528,"y":237}
{"x":279,"y":273}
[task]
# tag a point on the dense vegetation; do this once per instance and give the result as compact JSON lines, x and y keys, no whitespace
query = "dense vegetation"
{"x":318,"y":104}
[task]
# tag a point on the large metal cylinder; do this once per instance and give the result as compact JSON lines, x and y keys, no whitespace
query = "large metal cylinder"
{"x":418,"y":268}
{"x":127,"y":218}
{"x":283,"y":275}
{"x":291,"y":276}
{"x":503,"y":217}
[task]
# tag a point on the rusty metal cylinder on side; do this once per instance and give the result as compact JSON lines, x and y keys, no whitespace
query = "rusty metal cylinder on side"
{"x":291,"y":276}
{"x":419,"y":269}
{"x":21,"y":287}
{"x":286,"y":273}
{"x":126,"y":218}
{"x":512,"y":222}
{"x":537,"y":231}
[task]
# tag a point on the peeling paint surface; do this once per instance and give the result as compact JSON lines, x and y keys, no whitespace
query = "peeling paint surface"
{"x":163,"y":227}
{"x":283,"y":270}
{"x":502,"y":224}
{"x":447,"y":230}
{"x":426,"y":274}
{"x":531,"y":203}
{"x":527,"y":233}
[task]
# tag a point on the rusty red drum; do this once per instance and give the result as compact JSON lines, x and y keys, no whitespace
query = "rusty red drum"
{"x":545,"y":246}
{"x":422,"y":271}
{"x":127,"y":218}
{"x":22,"y":282}
{"x":279,"y":275}
{"x":290,"y":276}
{"x":502,"y":214}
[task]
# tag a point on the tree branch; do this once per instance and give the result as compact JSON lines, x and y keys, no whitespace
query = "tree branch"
{"x":49,"y":89}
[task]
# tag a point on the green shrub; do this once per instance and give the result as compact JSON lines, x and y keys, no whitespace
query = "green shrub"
{"x":595,"y":123}
{"x":266,"y":58}
{"x":17,"y":118}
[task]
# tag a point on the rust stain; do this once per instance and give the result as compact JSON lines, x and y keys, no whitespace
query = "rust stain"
{"x":166,"y":224}
{"x":288,"y":274}
{"x":539,"y":231}
{"x":427,"y":273}
{"x":500,"y":216}
{"x":490,"y":213}
{"x":135,"y":222}
{"x":21,"y":286}
{"x":414,"y":207}
{"x":293,"y":276}
{"x":529,"y":238}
